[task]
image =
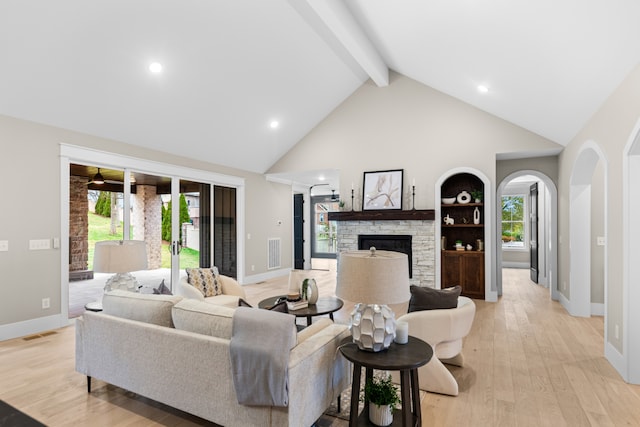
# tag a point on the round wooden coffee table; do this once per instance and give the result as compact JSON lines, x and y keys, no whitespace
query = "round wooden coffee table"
{"x":324,"y":305}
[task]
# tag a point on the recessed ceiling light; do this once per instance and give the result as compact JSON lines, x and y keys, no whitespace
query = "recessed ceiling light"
{"x":274,"y":124}
{"x":155,"y":67}
{"x":483,"y":89}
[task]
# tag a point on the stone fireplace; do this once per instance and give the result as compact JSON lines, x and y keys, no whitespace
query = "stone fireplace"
{"x":415,"y":226}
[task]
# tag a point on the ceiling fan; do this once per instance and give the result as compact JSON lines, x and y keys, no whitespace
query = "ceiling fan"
{"x":98,"y":179}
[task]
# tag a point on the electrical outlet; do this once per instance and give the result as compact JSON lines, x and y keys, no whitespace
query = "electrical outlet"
{"x":4,"y":245}
{"x":617,"y":332}
{"x":46,"y":303}
{"x":253,"y":268}
{"x":600,"y":241}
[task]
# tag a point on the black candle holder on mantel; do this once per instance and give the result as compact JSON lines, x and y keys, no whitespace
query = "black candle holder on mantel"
{"x":352,"y":199}
{"x":413,"y":197}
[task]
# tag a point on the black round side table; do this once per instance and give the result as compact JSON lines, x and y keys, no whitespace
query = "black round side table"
{"x":406,"y":358}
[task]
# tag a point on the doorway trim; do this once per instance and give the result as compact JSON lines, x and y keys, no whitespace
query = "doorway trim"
{"x":629,"y":367}
{"x":76,"y":154}
{"x":552,"y":252}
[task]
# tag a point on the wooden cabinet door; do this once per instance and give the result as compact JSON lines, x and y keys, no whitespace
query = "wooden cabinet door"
{"x":472,"y":274}
{"x":450,"y":269}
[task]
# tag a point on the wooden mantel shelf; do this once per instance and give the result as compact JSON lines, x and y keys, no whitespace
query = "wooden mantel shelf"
{"x":389,"y":215}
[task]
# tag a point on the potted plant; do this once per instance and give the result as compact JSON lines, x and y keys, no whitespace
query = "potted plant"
{"x":383,"y":399}
{"x":341,"y":204}
{"x":477,"y":195}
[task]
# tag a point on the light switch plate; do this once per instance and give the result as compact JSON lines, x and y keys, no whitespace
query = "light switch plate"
{"x":600,"y":241}
{"x":4,"y":245}
{"x":39,"y":244}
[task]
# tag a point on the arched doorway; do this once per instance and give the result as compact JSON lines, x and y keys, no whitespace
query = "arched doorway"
{"x":582,"y":214}
{"x":549,"y":244}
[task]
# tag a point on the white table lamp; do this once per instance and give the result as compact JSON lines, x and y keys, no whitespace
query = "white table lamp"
{"x":373,"y":279}
{"x":120,"y":257}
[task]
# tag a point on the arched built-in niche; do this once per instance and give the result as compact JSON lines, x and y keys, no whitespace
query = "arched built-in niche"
{"x":488,"y":214}
{"x":550,"y":246}
{"x":579,"y":300}
{"x":630,"y":366}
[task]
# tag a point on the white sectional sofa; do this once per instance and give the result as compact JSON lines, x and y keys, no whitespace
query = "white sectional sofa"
{"x":176,"y":351}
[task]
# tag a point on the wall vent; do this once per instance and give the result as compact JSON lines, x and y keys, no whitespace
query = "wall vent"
{"x":273,"y":253}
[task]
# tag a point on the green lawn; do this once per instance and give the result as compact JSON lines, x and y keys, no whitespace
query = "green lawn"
{"x":99,"y":230}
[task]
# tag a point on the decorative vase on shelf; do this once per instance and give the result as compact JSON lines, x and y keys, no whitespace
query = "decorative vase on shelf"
{"x":464,"y":197}
{"x":476,"y":216}
{"x":380,"y":415}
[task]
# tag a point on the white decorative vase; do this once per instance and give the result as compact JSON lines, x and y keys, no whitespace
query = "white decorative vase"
{"x":380,"y":415}
{"x":476,"y":216}
{"x":373,"y":327}
{"x":311,"y":291}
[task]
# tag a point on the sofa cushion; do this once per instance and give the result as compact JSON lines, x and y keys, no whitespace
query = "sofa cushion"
{"x":423,"y":298}
{"x":203,"y":318}
{"x":148,"y":308}
{"x":206,"y":280}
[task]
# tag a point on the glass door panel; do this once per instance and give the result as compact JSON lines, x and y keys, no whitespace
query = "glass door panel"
{"x":323,"y":232}
{"x":225,"y":230}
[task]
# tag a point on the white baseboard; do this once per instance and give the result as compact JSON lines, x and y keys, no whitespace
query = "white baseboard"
{"x":33,"y":326}
{"x":515,"y":264}
{"x":597,"y":309}
{"x":257,"y":278}
{"x":564,"y":302}
{"x":616,"y":359}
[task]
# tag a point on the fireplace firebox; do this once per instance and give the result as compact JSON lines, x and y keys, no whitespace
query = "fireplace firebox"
{"x":388,"y":242}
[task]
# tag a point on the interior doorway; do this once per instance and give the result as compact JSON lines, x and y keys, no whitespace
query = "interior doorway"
{"x":587,"y":234}
{"x":527,"y":226}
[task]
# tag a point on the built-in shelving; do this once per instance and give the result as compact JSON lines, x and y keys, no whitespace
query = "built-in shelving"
{"x":464,"y":268}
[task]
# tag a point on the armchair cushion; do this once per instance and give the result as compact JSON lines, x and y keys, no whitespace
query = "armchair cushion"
{"x":206,"y":280}
{"x":423,"y":298}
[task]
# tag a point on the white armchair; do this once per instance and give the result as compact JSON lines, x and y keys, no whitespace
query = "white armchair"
{"x":443,"y":330}
{"x":231,"y":292}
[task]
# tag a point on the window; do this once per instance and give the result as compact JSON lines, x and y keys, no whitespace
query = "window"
{"x":513,"y":221}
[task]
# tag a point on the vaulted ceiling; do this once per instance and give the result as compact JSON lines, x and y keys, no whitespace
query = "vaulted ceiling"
{"x":231,"y":68}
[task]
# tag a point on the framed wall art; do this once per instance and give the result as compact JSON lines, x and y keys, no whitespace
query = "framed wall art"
{"x":382,"y":190}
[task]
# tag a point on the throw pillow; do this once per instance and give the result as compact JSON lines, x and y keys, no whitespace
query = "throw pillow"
{"x":279,"y":307}
{"x":162,"y":289}
{"x":433,"y":299}
{"x":206,"y":280}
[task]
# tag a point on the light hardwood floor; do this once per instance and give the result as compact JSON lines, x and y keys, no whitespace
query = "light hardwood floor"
{"x":528,"y":364}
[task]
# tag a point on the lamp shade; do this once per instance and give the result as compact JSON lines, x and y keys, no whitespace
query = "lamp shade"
{"x":373,"y":277}
{"x":120,"y":256}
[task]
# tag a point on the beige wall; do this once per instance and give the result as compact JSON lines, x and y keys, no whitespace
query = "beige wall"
{"x":610,"y":128}
{"x":409,"y":126}
{"x":31,"y":209}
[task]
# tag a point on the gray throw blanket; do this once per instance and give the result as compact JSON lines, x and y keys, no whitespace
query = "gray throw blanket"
{"x":260,"y":344}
